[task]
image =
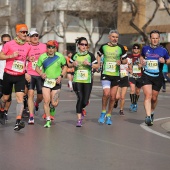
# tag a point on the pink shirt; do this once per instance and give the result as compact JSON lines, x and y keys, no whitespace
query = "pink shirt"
{"x":16,"y":66}
{"x":36,"y":51}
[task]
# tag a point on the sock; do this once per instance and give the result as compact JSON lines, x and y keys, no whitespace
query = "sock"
{"x":103,"y":111}
{"x":137,"y":97}
{"x":48,"y":118}
{"x":31,"y":115}
{"x":108,"y":115}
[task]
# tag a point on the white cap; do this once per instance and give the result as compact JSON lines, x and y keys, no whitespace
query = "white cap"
{"x":33,"y":32}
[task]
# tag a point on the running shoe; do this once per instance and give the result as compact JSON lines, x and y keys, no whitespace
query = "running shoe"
{"x":36,"y":106}
{"x":31,"y":121}
{"x":79,"y":123}
{"x":102,"y":118}
{"x":19,"y":125}
{"x":2,"y":117}
{"x":121,"y":113}
{"x":25,"y":113}
{"x":131,"y":107}
{"x":135,"y":107}
{"x":52,"y":111}
{"x":6,"y":116}
{"x":116,"y":104}
{"x":108,"y":120}
{"x":83,"y":112}
{"x":148,"y":121}
{"x":48,"y":124}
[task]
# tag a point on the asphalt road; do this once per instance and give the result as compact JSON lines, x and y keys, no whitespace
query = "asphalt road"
{"x":128,"y":144}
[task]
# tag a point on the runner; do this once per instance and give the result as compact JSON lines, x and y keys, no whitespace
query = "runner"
{"x":70,"y":72}
{"x":135,"y":80}
{"x":34,"y":79}
{"x":15,"y":53}
{"x":53,"y":69}
{"x":152,"y":58}
{"x":4,"y":39}
{"x":123,"y":84}
{"x":83,"y":62}
{"x":114,"y":54}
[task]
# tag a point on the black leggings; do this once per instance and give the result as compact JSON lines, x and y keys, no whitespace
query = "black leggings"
{"x":82,"y":91}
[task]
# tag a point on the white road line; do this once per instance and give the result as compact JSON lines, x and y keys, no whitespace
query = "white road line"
{"x":144,"y":126}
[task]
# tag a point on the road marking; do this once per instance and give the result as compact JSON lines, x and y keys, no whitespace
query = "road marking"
{"x":144,"y":126}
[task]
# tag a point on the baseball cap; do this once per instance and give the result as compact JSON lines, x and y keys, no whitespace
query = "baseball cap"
{"x":32,"y":33}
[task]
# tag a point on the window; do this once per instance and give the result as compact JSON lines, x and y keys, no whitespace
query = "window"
{"x":126,"y":6}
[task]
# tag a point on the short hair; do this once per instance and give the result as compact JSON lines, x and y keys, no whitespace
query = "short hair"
{"x":114,"y":31}
{"x":154,"y":31}
{"x":5,"y":35}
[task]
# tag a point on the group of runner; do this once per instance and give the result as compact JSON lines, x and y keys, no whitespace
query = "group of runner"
{"x":34,"y":64}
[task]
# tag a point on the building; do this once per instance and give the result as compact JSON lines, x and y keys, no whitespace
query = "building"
{"x":62,"y":20}
{"x":160,"y":22}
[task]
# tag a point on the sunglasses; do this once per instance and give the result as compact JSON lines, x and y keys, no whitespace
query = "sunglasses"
{"x":135,"y":48}
{"x":24,"y":32}
{"x":35,"y":35}
{"x":50,"y":46}
{"x":83,"y":44}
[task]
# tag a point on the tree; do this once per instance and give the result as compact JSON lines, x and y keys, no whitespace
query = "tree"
{"x":135,"y":12}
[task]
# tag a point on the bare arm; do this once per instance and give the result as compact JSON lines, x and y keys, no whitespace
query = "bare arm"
{"x":5,"y":57}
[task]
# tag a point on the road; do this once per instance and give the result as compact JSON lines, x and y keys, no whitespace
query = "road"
{"x":128,"y":144}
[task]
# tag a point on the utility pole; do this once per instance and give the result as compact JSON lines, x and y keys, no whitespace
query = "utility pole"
{"x":28,"y":14}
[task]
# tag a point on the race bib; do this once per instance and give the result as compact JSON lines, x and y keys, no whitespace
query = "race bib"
{"x":110,"y":66}
{"x":152,"y":64}
{"x":49,"y":82}
{"x":18,"y":66}
{"x":123,"y":73}
{"x":34,"y":64}
{"x":136,"y":69}
{"x":82,"y":75}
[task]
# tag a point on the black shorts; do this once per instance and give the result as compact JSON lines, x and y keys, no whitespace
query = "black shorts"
{"x":10,"y":80}
{"x":36,"y":81}
{"x":138,"y":82}
{"x":156,"y":82}
{"x":124,"y":82}
{"x":113,"y":79}
{"x":56,"y":87}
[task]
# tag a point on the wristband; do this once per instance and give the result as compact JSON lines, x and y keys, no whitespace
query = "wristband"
{"x":61,"y":75}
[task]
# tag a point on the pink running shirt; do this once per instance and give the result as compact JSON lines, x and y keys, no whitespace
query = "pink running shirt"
{"x":16,"y":66}
{"x":36,"y":51}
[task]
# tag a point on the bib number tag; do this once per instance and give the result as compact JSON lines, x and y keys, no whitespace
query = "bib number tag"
{"x":49,"y":82}
{"x":18,"y":66}
{"x":111,"y":66}
{"x":136,"y":69}
{"x":82,"y":75}
{"x":152,"y":64}
{"x":123,"y":73}
{"x":34,"y":64}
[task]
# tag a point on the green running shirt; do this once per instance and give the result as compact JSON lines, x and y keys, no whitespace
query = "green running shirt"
{"x":110,"y":55}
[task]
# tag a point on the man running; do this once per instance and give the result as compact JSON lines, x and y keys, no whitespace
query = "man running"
{"x":152,"y":58}
{"x":53,"y":69}
{"x":34,"y":79}
{"x":114,"y":54}
{"x":15,"y":53}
